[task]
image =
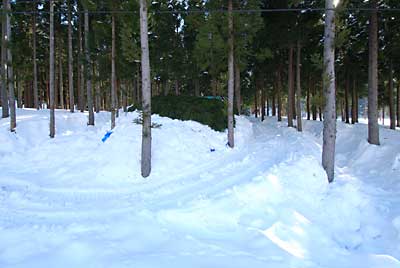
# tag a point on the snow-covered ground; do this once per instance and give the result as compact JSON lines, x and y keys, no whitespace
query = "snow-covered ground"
{"x":75,"y":201}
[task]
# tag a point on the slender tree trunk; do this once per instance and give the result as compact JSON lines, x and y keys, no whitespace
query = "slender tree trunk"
{"x":146,"y":92}
{"x":13,"y":120}
{"x":346,"y":98}
{"x":391,"y":98}
{"x":238,"y":96}
{"x":256,"y":103}
{"x":353,"y":103}
{"x":97,"y":87}
{"x":262,"y":102}
{"x":214,"y":86}
{"x":273,"y":104}
{"x":51,"y":72}
{"x":125,"y":91}
{"x":81,"y":97}
{"x":398,"y":104}
{"x":329,"y":131}
{"x":290,"y":88}
{"x":231,"y":76}
{"x":61,"y":80}
{"x":19,"y":93}
{"x":88,"y":71}
{"x":196,"y":87}
{"x":308,"y":98}
{"x":35,"y":74}
{"x":279,"y":93}
{"x":113,"y":79}
{"x":357,"y":109}
{"x":70,"y":62}
{"x":298,"y":89}
{"x":373,"y":127}
{"x":4,"y":45}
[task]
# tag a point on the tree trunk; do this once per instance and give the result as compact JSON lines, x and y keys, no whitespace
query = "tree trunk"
{"x":70,"y":62}
{"x":146,"y":92}
{"x":81,"y":97}
{"x":329,"y":131}
{"x":262,"y":104}
{"x":255,"y":103}
{"x":19,"y":93}
{"x":4,"y":44}
{"x":88,"y":71}
{"x":196,"y":87}
{"x":290,"y":88}
{"x":97,"y":87}
{"x":398,"y":104}
{"x":273,"y":104}
{"x":391,"y":98}
{"x":237,"y":88}
{"x":308,"y":99}
{"x":373,"y":127}
{"x":13,"y":121}
{"x":177,"y":87}
{"x":298,"y":89}
{"x":61,"y":80}
{"x":346,"y":98}
{"x":278,"y":93}
{"x":35,"y":82}
{"x":113,"y":79}
{"x":51,"y":72}
{"x":353,"y":103}
{"x":231,"y":76}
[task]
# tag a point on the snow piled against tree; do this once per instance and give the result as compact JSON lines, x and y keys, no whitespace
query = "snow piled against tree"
{"x":78,"y":202}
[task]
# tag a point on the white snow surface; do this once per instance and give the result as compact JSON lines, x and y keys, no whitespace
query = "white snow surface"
{"x":75,"y":201}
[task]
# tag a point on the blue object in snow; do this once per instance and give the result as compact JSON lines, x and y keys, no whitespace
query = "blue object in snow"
{"x":106,"y":136}
{"x":212,"y":150}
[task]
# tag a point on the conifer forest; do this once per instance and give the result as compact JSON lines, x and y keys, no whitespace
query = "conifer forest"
{"x":200,"y":133}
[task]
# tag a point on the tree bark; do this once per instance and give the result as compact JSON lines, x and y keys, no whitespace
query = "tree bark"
{"x":70,"y":62}
{"x":19,"y":93}
{"x":279,"y":93}
{"x":51,"y":72}
{"x":88,"y":71}
{"x":262,"y":101}
{"x":346,"y":98}
{"x":353,"y":103}
{"x":196,"y":87}
{"x":231,"y":76}
{"x":308,"y":98}
{"x":237,"y":88}
{"x":373,"y":127}
{"x":298,"y":89}
{"x":60,"y":68}
{"x":398,"y":104}
{"x":290,"y":88}
{"x":35,"y":74}
{"x":13,"y":121}
{"x":81,"y":97}
{"x":146,"y":92}
{"x":256,"y":102}
{"x":113,"y":79}
{"x":4,"y":45}
{"x":97,"y":88}
{"x":329,"y":131}
{"x":391,"y":98}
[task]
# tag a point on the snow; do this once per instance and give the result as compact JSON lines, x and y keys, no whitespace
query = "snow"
{"x":75,"y":201}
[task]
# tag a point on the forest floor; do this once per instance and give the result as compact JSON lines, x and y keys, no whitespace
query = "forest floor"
{"x":75,"y":201}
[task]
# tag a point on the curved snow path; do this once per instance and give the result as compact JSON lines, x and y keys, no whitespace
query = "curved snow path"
{"x":267,"y":147}
{"x":264,"y":203}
